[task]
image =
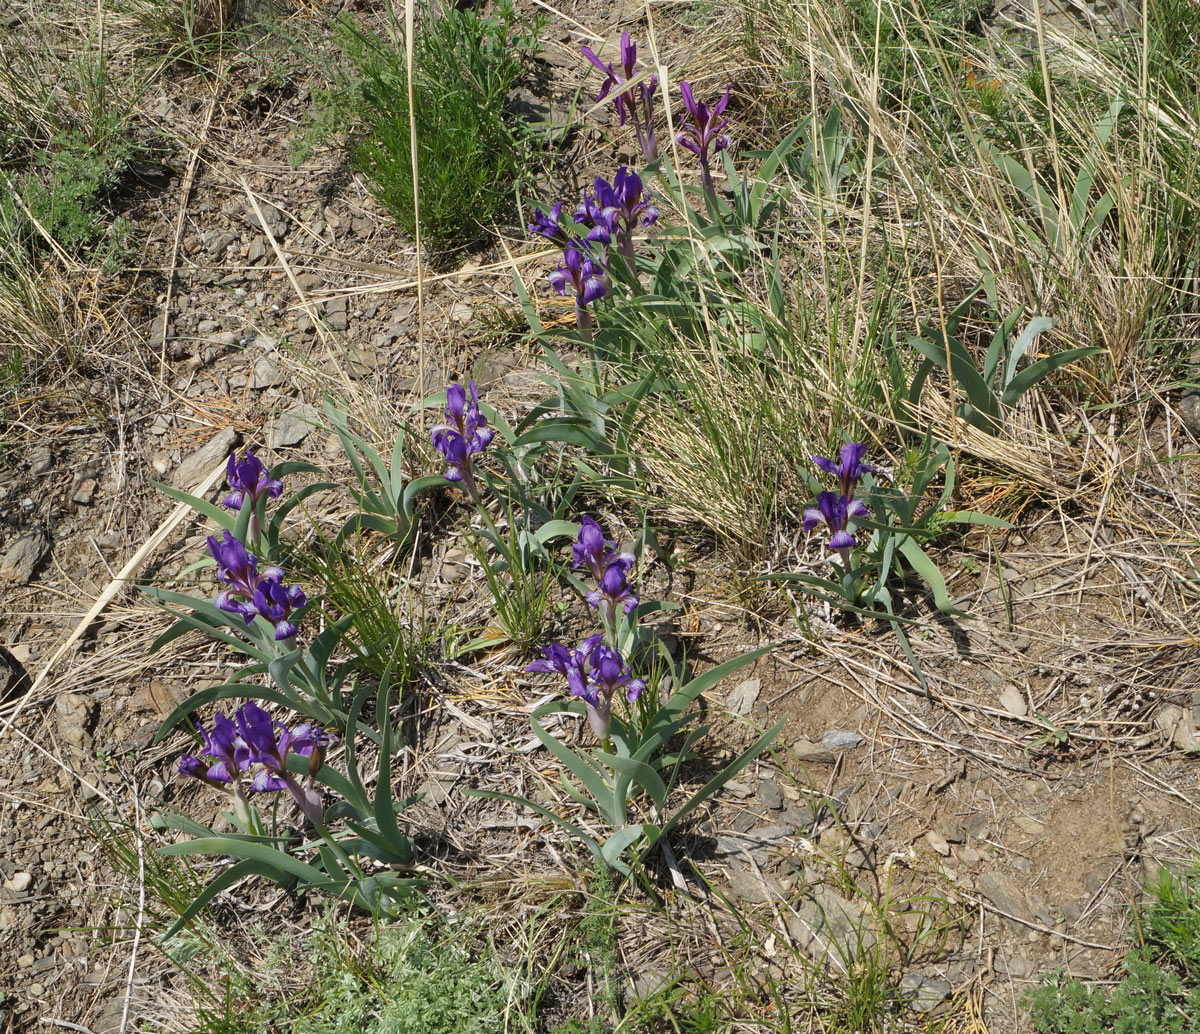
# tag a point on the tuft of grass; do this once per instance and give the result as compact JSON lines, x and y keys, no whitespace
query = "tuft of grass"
{"x":470,"y":153}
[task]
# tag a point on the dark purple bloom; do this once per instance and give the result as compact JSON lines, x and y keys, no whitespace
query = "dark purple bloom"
{"x":835,"y":512}
{"x":594,"y":673}
{"x":850,"y":470}
{"x":602,"y":675}
{"x":275,"y":601}
{"x":269,"y":743}
{"x":633,"y":103}
{"x":546,"y":224}
{"x":249,"y":480}
{"x":619,"y":207}
{"x":464,"y":437}
{"x":250,"y":593}
{"x":593,"y":551}
{"x":613,"y":591}
{"x":704,"y":133}
{"x":580,"y":272}
{"x":235,"y":567}
{"x":224,"y":755}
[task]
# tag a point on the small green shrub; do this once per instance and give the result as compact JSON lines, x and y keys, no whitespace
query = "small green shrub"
{"x":1160,"y":993}
{"x":469,"y":154}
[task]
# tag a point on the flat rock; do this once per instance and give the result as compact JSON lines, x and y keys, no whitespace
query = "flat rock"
{"x":292,"y":427}
{"x":74,"y":713}
{"x":741,"y":698}
{"x":24,"y":554}
{"x":1012,"y":701}
{"x":838,"y":740}
{"x":264,"y":375}
{"x":809,"y":753}
{"x":826,"y":924}
{"x":770,"y":794}
{"x":924,"y":993}
{"x":14,"y":678}
{"x":196,"y":466}
{"x":752,"y":887}
{"x":1002,"y":891}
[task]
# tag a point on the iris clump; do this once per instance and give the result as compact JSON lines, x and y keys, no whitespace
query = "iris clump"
{"x":250,"y":593}
{"x":618,"y":208}
{"x":463,"y":437}
{"x":836,"y":510}
{"x":596,"y":671}
{"x":255,"y":745}
{"x":704,"y":133}
{"x":634,"y":103}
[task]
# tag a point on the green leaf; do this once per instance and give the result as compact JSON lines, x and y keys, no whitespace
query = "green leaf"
{"x":616,"y":845}
{"x":1028,"y":377}
{"x":1036,"y":326}
{"x":592,"y":779}
{"x":928,"y":570}
{"x":235,"y":873}
{"x":249,"y":850}
{"x":640,"y":773}
{"x":223,"y":518}
{"x":727,"y":773}
{"x":971,"y":517}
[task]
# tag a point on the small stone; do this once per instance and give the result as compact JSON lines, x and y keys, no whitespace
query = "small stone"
{"x":41,"y":459}
{"x":74,"y":713}
{"x":85,"y":493}
{"x":743,"y":696}
{"x":336,"y":315}
{"x":18,"y":883}
{"x":809,"y":753}
{"x":1028,"y":825}
{"x":292,"y":427}
{"x":738,"y":789}
{"x":1017,"y":968}
{"x":837,"y":740}
{"x":25,"y":961}
{"x":829,"y":926}
{"x":265,"y":374}
{"x":752,"y":887}
{"x":938,"y":842}
{"x":968,"y":855}
{"x":27,"y":551}
{"x":1013,"y":702}
{"x":770,"y":794}
{"x":199,"y":464}
{"x":924,"y":993}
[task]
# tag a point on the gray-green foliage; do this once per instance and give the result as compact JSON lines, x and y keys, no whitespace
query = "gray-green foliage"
{"x":412,"y":983}
{"x":1160,"y":993}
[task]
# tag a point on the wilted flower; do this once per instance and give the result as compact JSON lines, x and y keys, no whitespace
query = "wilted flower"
{"x":585,"y":276}
{"x":704,"y":132}
{"x":546,"y":224}
{"x":464,"y":437}
{"x":634,"y":104}
{"x":835,"y":512}
{"x":850,"y":470}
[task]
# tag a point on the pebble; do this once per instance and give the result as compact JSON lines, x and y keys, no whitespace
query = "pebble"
{"x":770,"y":794}
{"x":27,"y":551}
{"x":811,"y":753}
{"x":938,"y":842}
{"x":18,"y":883}
{"x":292,"y":427}
{"x":838,"y":740}
{"x":924,"y":993}
{"x":1013,"y":702}
{"x":85,"y":493}
{"x":743,"y":696}
{"x":1028,"y":825}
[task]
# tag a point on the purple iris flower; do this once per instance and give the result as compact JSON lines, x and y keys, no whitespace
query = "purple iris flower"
{"x":850,"y":470}
{"x":592,"y":214}
{"x":602,"y":675}
{"x":269,"y":742}
{"x":613,"y":591}
{"x":835,"y":512}
{"x":275,"y":601}
{"x":225,"y":759}
{"x":704,"y":133}
{"x":587,"y":277}
{"x":235,"y":567}
{"x":464,"y":437}
{"x":249,"y":480}
{"x":250,"y":593}
{"x":622,"y":205}
{"x":634,"y":104}
{"x":593,"y":551}
{"x":594,"y":673}
{"x":546,"y":224}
